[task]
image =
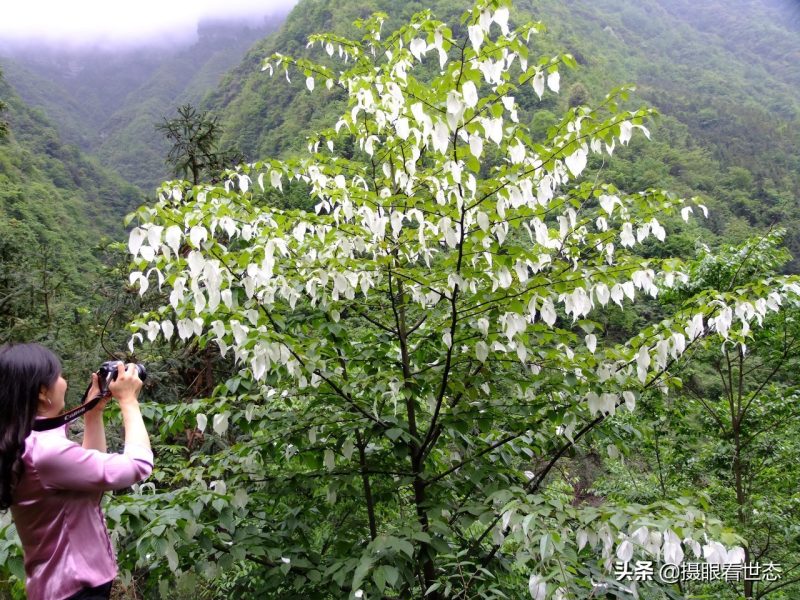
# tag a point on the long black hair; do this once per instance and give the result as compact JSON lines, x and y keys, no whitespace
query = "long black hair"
{"x":24,"y":369}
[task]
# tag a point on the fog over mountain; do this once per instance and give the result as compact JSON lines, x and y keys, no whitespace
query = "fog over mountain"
{"x":106,"y":76}
{"x":94,"y":23}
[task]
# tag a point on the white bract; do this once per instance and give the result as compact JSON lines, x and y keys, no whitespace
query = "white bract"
{"x":537,"y":587}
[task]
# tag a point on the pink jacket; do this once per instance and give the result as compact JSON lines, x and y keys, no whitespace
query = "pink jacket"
{"x":57,"y":511}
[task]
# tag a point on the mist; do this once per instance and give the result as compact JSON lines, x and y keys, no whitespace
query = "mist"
{"x":111,"y":25}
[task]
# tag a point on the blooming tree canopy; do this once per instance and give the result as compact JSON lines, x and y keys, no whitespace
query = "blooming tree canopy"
{"x":421,"y":351}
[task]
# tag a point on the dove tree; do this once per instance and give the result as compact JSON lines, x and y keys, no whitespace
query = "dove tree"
{"x":737,"y":438}
{"x":420,"y":355}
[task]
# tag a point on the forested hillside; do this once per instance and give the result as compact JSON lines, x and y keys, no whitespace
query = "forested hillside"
{"x":56,"y":206}
{"x":724,"y":78}
{"x":107,"y":101}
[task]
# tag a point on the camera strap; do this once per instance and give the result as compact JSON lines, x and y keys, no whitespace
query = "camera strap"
{"x":69,"y":416}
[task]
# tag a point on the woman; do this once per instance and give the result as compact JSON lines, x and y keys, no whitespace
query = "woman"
{"x":53,"y":485}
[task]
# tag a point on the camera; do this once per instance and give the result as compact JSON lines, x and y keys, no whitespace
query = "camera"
{"x":108,"y":372}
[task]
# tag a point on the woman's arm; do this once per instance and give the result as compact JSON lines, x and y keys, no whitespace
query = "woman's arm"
{"x":94,"y":430}
{"x":63,"y":464}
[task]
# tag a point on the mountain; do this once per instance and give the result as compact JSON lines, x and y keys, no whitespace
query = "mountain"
{"x":725,"y":77}
{"x":107,"y":101}
{"x":56,"y":205}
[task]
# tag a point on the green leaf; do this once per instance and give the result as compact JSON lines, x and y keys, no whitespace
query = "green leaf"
{"x":394,"y":433}
{"x":433,"y":588}
{"x":361,"y":571}
{"x":379,"y":577}
{"x":391,"y":574}
{"x":404,"y":546}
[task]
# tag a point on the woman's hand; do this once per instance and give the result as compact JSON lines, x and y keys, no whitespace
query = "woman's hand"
{"x":94,"y":391}
{"x":126,"y":390}
{"x":127,"y":385}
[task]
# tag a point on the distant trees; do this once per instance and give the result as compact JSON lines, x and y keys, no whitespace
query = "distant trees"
{"x":743,"y":408}
{"x":578,"y":95}
{"x":195,"y":155}
{"x":195,"y":137}
{"x":731,"y":430}
{"x":3,"y":124}
{"x":748,"y":406}
{"x":17,"y":303}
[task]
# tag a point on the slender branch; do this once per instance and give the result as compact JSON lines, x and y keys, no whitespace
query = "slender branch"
{"x":345,"y":396}
{"x":473,"y":457}
{"x":768,"y":378}
{"x":377,"y":324}
{"x":783,"y":582}
{"x":535,"y":483}
{"x":709,"y":409}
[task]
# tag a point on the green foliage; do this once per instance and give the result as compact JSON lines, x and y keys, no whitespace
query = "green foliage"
{"x":738,"y":436}
{"x":106,"y":102}
{"x":358,"y":442}
{"x":3,"y":124}
{"x":195,"y":152}
{"x":55,"y":206}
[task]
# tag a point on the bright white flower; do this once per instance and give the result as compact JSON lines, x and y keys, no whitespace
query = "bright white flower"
{"x":625,"y":551}
{"x":476,"y":36}
{"x":135,"y":240}
{"x":630,"y":400}
{"x":538,"y":83}
{"x":537,"y":587}
{"x":642,"y":363}
{"x":221,"y":423}
{"x":470,"y":93}
{"x":626,"y":237}
{"x":417,"y":47}
{"x":625,"y":130}
{"x":548,"y":312}
{"x":553,"y":81}
{"x":673,"y":552}
{"x":736,"y":555}
{"x":591,"y":342}
{"x":576,"y":162}
{"x":715,"y":553}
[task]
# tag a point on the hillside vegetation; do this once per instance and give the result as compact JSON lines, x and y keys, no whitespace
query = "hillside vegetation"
{"x":434,"y":395}
{"x":730,"y":125}
{"x":56,"y":205}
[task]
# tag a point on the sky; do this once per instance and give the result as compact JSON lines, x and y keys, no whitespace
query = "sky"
{"x":78,"y":22}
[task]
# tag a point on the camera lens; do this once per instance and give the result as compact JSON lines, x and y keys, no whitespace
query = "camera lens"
{"x":109,"y":370}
